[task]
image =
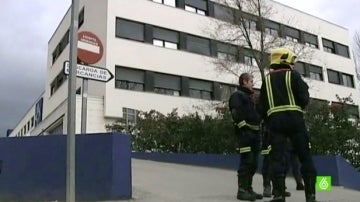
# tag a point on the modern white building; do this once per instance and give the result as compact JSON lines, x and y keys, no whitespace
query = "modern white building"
{"x":160,"y":55}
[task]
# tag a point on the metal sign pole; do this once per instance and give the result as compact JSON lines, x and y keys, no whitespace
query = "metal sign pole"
{"x":71,"y":113}
{"x":84,"y":105}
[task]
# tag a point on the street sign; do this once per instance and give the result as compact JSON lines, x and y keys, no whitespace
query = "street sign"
{"x":90,"y":49}
{"x":90,"y":72}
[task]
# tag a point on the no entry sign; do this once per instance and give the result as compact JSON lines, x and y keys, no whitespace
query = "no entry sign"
{"x":90,"y":48}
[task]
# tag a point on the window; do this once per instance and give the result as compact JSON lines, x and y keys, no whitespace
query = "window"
{"x":300,"y":67}
{"x":226,"y":52}
{"x":292,"y":34}
{"x":337,"y":48}
{"x":334,"y":76}
{"x":223,"y":13}
{"x":57,"y":82}
{"x":271,"y":31}
{"x":328,"y":46}
{"x":167,"y":84}
{"x":315,"y":72}
{"x":272,"y":28}
{"x":196,"y":6}
{"x":81,"y":17}
{"x":129,"y":30}
{"x":251,"y":61}
{"x":32,"y":121}
{"x":61,"y":46}
{"x":226,"y":90}
{"x":352,"y":110}
{"x":342,"y":50}
{"x":195,"y":10}
{"x":130,"y":79}
{"x":250,"y":24}
{"x":166,"y":2}
{"x":198,"y":45}
{"x":200,"y":89}
{"x":347,"y":80}
{"x":129,"y":116}
{"x":311,"y":40}
{"x":165,"y":38}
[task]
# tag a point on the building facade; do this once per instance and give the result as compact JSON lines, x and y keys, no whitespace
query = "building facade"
{"x":161,"y":55}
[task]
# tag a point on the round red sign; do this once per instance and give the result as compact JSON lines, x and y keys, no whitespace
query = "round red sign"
{"x":90,"y":49}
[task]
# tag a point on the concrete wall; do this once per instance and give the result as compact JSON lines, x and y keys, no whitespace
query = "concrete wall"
{"x":341,"y":172}
{"x":34,"y":168}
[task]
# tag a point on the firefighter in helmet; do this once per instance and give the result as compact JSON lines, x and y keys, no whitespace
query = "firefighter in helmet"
{"x":283,"y":97}
{"x":246,"y":122}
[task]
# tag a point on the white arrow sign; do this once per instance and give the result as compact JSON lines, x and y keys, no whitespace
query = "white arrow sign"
{"x":90,"y":72}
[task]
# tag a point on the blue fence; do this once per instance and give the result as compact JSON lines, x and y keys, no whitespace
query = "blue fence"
{"x":341,"y":172}
{"x":34,"y":168}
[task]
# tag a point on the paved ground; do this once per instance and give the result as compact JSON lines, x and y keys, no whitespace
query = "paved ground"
{"x":165,"y":182}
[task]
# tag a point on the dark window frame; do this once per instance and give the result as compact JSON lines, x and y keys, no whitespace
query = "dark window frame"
{"x":126,"y":33}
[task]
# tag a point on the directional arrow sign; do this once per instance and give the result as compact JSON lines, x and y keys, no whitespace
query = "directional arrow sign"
{"x":90,"y":72}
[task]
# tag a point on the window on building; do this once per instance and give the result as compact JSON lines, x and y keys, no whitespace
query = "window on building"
{"x":249,"y":60}
{"x":200,"y":89}
{"x":352,"y":110}
{"x":32,"y":121}
{"x":165,"y":38}
{"x":166,"y":2}
{"x":130,"y":116}
{"x":129,"y":30}
{"x":347,"y":80}
{"x":328,"y":46}
{"x":300,"y":67}
{"x":311,"y":40}
{"x":167,"y":84}
{"x":198,"y":45}
{"x":272,"y":28}
{"x":292,"y":34}
{"x":250,"y":24}
{"x":342,"y":50}
{"x":81,"y":17}
{"x":226,"y":90}
{"x":196,"y":6}
{"x":57,"y":82}
{"x":130,"y":79}
{"x":333,"y":76}
{"x":61,"y":46}
{"x":227,"y":52}
{"x":315,"y":72}
{"x":223,"y":13}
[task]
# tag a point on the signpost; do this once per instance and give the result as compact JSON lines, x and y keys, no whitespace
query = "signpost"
{"x":71,"y":112}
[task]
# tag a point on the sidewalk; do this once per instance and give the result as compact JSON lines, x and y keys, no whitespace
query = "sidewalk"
{"x":165,"y":182}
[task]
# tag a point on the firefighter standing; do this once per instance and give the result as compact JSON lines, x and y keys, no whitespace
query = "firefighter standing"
{"x":283,"y":97}
{"x":246,"y":122}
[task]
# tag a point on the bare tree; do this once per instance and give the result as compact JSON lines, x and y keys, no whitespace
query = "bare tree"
{"x":356,"y":53}
{"x":245,"y":26}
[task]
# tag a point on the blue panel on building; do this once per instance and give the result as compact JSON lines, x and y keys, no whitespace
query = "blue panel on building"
{"x":34,"y":168}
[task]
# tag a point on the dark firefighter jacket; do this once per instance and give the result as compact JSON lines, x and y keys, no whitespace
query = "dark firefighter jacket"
{"x":243,"y":111}
{"x":283,"y":97}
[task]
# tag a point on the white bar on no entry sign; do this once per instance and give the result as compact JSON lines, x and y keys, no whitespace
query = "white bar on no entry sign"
{"x":88,"y":47}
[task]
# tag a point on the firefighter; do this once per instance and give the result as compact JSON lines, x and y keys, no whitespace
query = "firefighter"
{"x":266,"y":162}
{"x":265,"y":170}
{"x":283,"y":97}
{"x":246,"y":122}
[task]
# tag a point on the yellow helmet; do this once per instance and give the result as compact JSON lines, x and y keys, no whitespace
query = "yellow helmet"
{"x":282,"y":56}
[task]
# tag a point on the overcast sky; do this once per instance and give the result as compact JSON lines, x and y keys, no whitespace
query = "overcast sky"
{"x":27,"y":25}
